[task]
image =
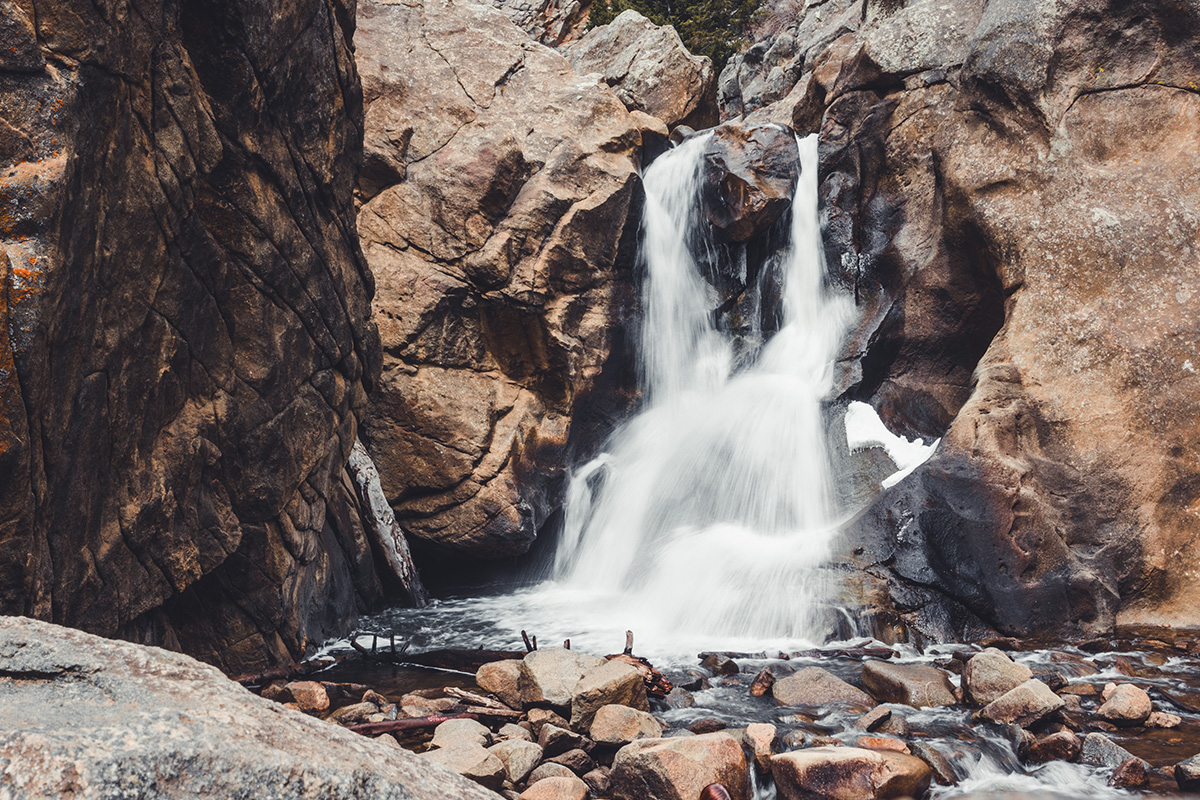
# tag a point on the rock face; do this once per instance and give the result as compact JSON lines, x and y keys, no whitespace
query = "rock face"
{"x":185,"y":339}
{"x":650,"y":69}
{"x":550,"y":22}
{"x":495,"y":188}
{"x":89,"y":717}
{"x":749,"y":174}
{"x":1004,"y":182}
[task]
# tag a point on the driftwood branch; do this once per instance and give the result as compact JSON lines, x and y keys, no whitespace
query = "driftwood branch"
{"x":288,"y":671}
{"x":401,"y":725}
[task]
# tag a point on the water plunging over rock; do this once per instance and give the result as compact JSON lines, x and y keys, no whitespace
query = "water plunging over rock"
{"x":713,"y":506}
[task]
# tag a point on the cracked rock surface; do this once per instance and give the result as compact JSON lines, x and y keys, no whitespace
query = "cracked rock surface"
{"x":497,"y":189}
{"x":185,"y":337}
{"x":1010,"y":196}
{"x":92,"y":718}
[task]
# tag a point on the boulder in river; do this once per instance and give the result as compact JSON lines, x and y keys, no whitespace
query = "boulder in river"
{"x":1026,"y":704}
{"x":1126,"y":706}
{"x":680,"y":768}
{"x":1100,"y":751}
{"x":991,"y":673}
{"x":1059,"y":746}
{"x":814,"y":686}
{"x":557,"y":788}
{"x":1187,"y":774}
{"x":836,"y":773}
{"x":918,"y":685}
{"x":502,"y":678}
{"x":93,"y":717}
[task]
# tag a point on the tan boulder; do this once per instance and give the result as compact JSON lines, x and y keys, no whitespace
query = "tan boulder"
{"x":1127,"y":706}
{"x":1023,"y":706}
{"x":762,"y":738}
{"x":308,"y":695}
{"x":454,"y":732}
{"x":991,"y":673}
{"x":814,"y":686}
{"x":679,"y":768}
{"x":849,"y":773}
{"x":650,"y":69}
{"x":612,"y":683}
{"x":918,"y":685}
{"x":619,"y":725}
{"x":471,"y":761}
{"x":518,"y":756}
{"x":549,"y":676}
{"x":502,"y":678}
{"x":557,"y":788}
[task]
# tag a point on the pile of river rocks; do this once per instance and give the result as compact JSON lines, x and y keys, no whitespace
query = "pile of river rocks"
{"x":581,"y":726}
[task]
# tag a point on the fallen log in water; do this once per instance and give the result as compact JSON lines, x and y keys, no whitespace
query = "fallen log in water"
{"x":839,"y":652}
{"x":451,"y":659}
{"x":288,"y":671}
{"x":431,"y":721}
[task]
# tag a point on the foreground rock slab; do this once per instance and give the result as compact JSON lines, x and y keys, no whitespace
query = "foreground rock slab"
{"x":89,"y":718}
{"x":680,"y":768}
{"x":849,"y":773}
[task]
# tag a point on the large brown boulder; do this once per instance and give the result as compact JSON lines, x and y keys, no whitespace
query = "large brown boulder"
{"x":650,"y":69}
{"x":92,"y":718}
{"x":749,"y":175}
{"x":814,"y":686}
{"x":185,"y":335}
{"x":679,"y":768}
{"x":1003,"y":185}
{"x":849,"y":773}
{"x":497,"y":184}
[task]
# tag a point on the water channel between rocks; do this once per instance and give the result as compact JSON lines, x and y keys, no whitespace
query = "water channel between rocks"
{"x":704,"y":524}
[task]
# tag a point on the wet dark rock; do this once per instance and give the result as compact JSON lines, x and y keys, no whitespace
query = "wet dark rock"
{"x":943,"y":771}
{"x":1133,"y":773}
{"x":694,"y":681}
{"x":917,"y":685}
{"x":1187,"y":774}
{"x":1100,"y":751}
{"x":720,"y":665}
{"x":1061,"y":746}
{"x":762,"y":683}
{"x":707,"y":725}
{"x":873,"y":719}
{"x":749,"y":173}
{"x":831,"y":772}
{"x":679,"y":697}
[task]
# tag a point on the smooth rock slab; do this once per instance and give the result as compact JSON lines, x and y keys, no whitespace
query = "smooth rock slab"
{"x":679,"y":768}
{"x":560,"y":788}
{"x":1024,"y":705}
{"x":849,"y":773}
{"x":916,"y":685}
{"x":620,"y":725}
{"x":990,"y":674}
{"x":813,"y":686}
{"x":471,"y":761}
{"x":90,"y":717}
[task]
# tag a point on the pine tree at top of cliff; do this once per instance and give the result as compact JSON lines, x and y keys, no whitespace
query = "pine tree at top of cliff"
{"x":712,"y":28}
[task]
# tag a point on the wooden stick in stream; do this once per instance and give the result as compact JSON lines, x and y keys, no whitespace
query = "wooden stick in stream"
{"x":399,"y":725}
{"x":471,"y":697}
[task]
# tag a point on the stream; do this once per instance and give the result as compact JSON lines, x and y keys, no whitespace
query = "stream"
{"x":704,"y":524}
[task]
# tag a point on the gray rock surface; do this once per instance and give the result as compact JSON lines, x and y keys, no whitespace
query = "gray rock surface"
{"x":90,"y":718}
{"x":991,"y":673}
{"x":1024,"y":705}
{"x":814,"y":686}
{"x":612,"y":683}
{"x":548,"y":677}
{"x":650,"y":69}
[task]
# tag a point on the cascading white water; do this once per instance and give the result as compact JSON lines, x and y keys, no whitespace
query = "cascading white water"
{"x":712,"y":508}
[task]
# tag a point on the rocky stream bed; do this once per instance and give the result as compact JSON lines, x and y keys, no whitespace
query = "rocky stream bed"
{"x":1096,"y":718}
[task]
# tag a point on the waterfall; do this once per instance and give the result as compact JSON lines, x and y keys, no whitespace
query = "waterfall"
{"x":712,"y":508}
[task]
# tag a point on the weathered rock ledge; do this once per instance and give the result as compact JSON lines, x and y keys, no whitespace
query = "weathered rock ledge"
{"x":91,"y":718}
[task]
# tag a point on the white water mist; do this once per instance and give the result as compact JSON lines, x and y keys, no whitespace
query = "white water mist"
{"x":712,"y":509}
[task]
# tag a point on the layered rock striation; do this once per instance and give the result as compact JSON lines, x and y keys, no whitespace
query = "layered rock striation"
{"x":185,"y":334}
{"x":500,"y":196}
{"x":1008,"y":190}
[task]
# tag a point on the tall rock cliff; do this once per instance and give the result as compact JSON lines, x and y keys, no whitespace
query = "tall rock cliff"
{"x":500,"y":205}
{"x":185,"y":338}
{"x":1011,"y":198}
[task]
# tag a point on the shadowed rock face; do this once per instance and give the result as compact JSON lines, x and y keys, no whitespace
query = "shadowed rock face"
{"x":1010,"y":190}
{"x":186,"y":338}
{"x":497,"y":192}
